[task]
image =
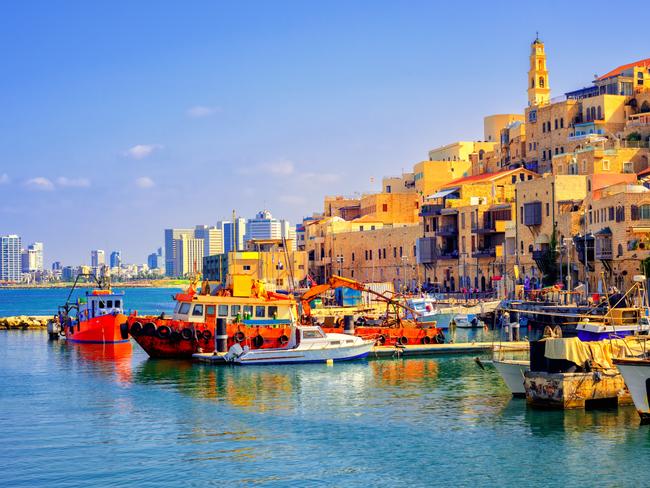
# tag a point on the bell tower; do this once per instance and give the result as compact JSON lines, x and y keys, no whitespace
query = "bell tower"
{"x":539,"y":92}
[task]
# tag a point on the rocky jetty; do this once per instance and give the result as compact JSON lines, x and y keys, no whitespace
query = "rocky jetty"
{"x":24,"y":322}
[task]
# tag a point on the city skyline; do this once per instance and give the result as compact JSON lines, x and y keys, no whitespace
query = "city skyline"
{"x":262,"y":111}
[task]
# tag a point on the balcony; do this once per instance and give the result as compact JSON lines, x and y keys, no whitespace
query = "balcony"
{"x":447,"y":231}
{"x":493,"y":227}
{"x":431,"y":210}
{"x":484,"y":253}
{"x":604,"y":254}
{"x":448,"y":254}
{"x":540,"y":255}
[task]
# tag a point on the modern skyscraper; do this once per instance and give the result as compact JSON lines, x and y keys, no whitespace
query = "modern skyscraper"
{"x":32,"y":258}
{"x":171,"y":238}
{"x":189,"y":256}
{"x":116,"y":259}
{"x":97,"y":258}
{"x":264,"y":226}
{"x":212,"y":239}
{"x":10,"y":262}
{"x":233,"y":234}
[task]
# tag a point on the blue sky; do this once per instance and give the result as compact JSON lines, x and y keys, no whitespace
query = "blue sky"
{"x":122,"y":118}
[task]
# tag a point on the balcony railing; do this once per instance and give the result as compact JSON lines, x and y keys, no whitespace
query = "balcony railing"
{"x":431,"y":210}
{"x":484,"y":253}
{"x":447,"y":230}
{"x":447,"y":254}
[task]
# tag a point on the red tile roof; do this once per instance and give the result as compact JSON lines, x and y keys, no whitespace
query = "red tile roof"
{"x":644,"y":63}
{"x":644,"y":172}
{"x":482,"y":177}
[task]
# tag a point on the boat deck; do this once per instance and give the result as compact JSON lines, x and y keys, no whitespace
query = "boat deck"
{"x":411,"y":351}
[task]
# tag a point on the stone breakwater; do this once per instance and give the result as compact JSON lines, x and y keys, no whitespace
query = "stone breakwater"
{"x":24,"y":322}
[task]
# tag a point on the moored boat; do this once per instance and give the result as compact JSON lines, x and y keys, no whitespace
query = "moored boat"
{"x":512,"y":372}
{"x":307,"y":344}
{"x":94,"y":318}
{"x":636,"y":373}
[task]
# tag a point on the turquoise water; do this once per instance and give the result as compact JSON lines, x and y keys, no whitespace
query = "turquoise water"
{"x":44,"y":301}
{"x":89,"y":416}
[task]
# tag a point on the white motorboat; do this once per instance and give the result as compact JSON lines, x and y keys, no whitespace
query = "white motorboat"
{"x":512,"y":371}
{"x":636,"y":374}
{"x":465,"y":321}
{"x":307,"y":344}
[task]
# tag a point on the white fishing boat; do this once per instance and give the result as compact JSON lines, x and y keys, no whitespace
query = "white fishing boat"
{"x":512,"y":371}
{"x":307,"y":344}
{"x":636,"y":374}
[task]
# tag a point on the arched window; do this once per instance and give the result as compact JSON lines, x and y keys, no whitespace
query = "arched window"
{"x":541,"y":82}
{"x":644,"y":212}
{"x":532,"y":82}
{"x":481,"y":153}
{"x":620,"y":250}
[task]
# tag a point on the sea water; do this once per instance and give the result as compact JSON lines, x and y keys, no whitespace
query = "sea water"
{"x":75,"y":415}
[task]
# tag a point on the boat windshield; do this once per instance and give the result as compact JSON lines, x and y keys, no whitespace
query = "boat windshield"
{"x":184,"y":308}
{"x":312,"y":334}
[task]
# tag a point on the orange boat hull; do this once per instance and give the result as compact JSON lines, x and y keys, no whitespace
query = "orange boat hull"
{"x":104,"y":329}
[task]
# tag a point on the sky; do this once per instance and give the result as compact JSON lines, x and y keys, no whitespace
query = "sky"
{"x":120,"y":119}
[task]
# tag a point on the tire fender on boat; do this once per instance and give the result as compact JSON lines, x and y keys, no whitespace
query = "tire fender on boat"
{"x":163,"y":332}
{"x":258,"y":341}
{"x":381,"y":339}
{"x":403,"y":340}
{"x":239,"y":336}
{"x":149,"y":328}
{"x":206,"y":335}
{"x":283,"y":340}
{"x":187,"y":334}
{"x":136,"y":329}
{"x":426,"y":340}
{"x":124,"y":330}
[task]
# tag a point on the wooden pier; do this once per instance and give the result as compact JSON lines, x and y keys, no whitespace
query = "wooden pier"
{"x":422,"y":350}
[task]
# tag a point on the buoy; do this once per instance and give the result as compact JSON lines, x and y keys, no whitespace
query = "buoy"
{"x":329,"y":362}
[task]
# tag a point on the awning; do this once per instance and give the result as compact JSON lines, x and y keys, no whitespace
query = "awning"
{"x":442,"y":193}
{"x":448,"y":211}
{"x":641,"y":230}
{"x":500,"y":206}
{"x":604,"y":232}
{"x":542,"y":239}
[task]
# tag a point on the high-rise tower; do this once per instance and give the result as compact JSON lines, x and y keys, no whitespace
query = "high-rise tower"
{"x":539,"y":91}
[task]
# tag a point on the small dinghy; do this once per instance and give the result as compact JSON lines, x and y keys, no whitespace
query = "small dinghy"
{"x":307,"y":344}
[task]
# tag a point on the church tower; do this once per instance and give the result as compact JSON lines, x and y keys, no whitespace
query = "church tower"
{"x":539,"y":92}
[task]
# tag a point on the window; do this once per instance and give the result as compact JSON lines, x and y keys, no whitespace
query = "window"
{"x":628,"y":167}
{"x":548,"y":210}
{"x":353,"y":257}
{"x":248,"y":310}
{"x":117,"y":304}
{"x":532,"y":213}
{"x":514,"y":179}
{"x":197,"y":311}
{"x":394,"y":252}
{"x":541,"y":82}
{"x":588,"y":185}
{"x":384,"y":207}
{"x":370,"y":254}
{"x":610,"y":211}
{"x":562,"y":123}
{"x":600,"y":113}
{"x":101,"y":304}
{"x":557,"y":124}
{"x":109,"y":303}
{"x":522,"y":176}
{"x":311,"y":334}
{"x":247,"y":267}
{"x":273,"y":312}
{"x":644,"y":212}
{"x":605,"y":164}
{"x":400,"y":252}
{"x":462,"y":221}
{"x":209,"y":310}
{"x":235,"y":310}
{"x":223,"y":311}
{"x":260,"y":311}
{"x":463,"y":244}
{"x":184,"y":308}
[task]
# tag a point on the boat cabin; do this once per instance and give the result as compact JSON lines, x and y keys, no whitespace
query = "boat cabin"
{"x":247,"y":311}
{"x":97,"y":303}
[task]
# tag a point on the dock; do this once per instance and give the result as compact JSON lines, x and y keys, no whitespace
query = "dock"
{"x":423,"y":350}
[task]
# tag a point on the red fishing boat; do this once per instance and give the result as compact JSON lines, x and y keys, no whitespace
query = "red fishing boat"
{"x":256,"y":318}
{"x":94,"y":318}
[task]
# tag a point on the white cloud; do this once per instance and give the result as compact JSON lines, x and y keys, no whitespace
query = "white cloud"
{"x":40,"y":183}
{"x":144,"y":182}
{"x":73,"y":182}
{"x":200,"y":111}
{"x":141,"y":151}
{"x":4,"y":178}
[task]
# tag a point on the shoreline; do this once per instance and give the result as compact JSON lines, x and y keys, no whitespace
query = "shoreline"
{"x":24,"y":322}
{"x":55,"y":286}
